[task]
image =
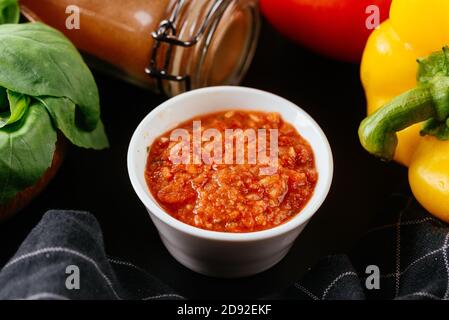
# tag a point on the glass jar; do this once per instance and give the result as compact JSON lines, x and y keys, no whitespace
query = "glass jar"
{"x":165,"y":45}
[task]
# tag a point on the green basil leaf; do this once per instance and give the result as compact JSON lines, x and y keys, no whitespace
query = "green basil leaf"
{"x":9,"y":11}
{"x":37,"y":60}
{"x":63,"y":112}
{"x":26,"y":151}
{"x":18,"y":105}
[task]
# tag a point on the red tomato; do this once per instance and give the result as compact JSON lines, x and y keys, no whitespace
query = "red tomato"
{"x":335,"y":28}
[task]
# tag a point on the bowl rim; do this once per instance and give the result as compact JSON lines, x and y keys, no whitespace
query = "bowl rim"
{"x":298,"y":220}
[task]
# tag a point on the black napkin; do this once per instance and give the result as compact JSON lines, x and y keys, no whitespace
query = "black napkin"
{"x":66,"y":246}
{"x":409,"y":249}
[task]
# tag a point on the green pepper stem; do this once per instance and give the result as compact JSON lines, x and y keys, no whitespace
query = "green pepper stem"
{"x":377,"y":132}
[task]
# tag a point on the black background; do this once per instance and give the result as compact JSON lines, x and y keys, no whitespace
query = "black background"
{"x":98,"y":181}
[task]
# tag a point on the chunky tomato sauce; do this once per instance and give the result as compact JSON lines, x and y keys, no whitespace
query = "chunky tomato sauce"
{"x":234,"y":197}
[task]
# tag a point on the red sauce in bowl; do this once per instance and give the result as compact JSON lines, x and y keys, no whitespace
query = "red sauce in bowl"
{"x":233,"y":197}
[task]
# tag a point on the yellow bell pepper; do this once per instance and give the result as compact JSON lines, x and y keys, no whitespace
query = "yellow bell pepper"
{"x":398,"y":104}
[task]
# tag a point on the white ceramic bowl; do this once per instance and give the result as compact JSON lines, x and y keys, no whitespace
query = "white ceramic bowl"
{"x":218,"y":253}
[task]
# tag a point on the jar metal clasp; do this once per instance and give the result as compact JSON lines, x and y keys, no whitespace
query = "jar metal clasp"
{"x":167,"y":33}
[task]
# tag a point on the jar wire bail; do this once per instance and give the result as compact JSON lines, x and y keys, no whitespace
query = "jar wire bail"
{"x":167,"y":33}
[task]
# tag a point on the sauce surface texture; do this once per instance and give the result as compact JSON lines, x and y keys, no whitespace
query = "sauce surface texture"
{"x":234,"y":197}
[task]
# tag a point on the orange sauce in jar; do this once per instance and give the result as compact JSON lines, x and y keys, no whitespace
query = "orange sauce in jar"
{"x":116,"y":32}
{"x":215,"y":40}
